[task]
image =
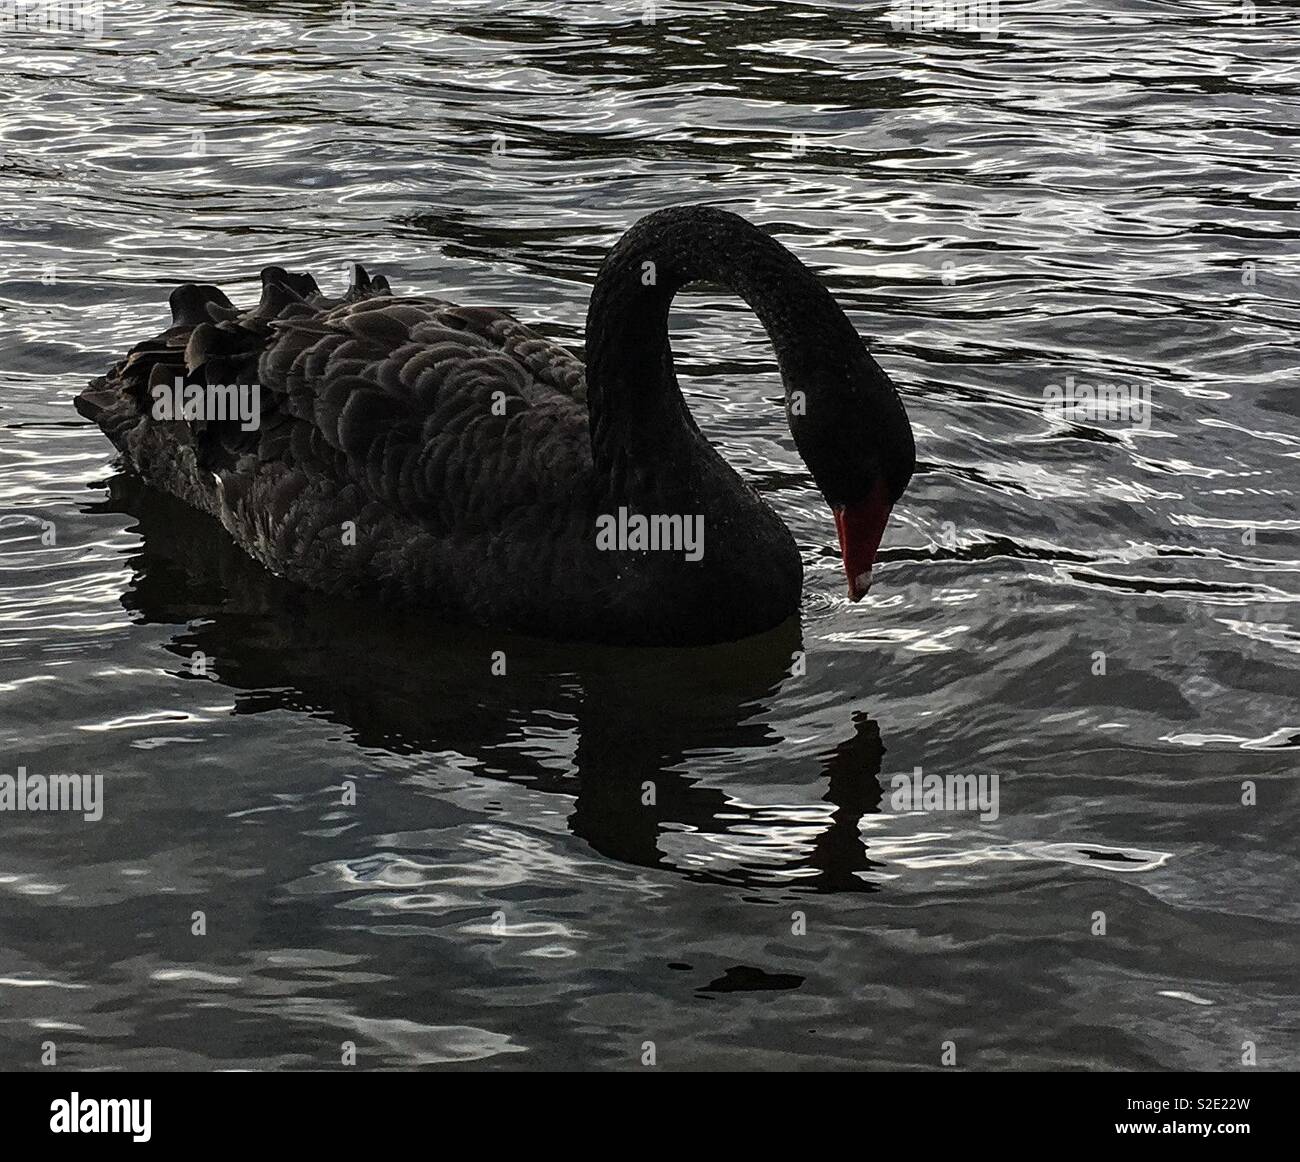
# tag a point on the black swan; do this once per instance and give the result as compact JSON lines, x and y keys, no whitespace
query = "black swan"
{"x":449,"y":459}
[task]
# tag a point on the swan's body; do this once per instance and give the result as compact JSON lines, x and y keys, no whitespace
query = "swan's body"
{"x":450,"y":459}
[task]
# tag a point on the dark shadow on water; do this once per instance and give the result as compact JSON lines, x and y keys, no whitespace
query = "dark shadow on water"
{"x":406,"y":686}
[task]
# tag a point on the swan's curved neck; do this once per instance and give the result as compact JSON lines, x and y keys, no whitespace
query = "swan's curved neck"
{"x":635,"y":404}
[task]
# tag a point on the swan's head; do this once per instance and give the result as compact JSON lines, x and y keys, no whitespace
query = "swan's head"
{"x":854,"y":435}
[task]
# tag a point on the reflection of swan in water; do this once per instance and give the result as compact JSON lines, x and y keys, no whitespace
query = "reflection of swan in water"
{"x":401,"y":687}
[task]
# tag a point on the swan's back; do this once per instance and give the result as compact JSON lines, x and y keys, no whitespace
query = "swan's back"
{"x":407,"y":448}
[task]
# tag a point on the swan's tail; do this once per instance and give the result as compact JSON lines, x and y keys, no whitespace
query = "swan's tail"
{"x":210,"y":341}
{"x":118,"y":400}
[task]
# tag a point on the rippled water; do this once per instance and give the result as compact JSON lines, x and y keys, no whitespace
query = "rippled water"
{"x":1104,"y":193}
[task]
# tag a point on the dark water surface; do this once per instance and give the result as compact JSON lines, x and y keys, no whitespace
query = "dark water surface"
{"x":1099,"y":181}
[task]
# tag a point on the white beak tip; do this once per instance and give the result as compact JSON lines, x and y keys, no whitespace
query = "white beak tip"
{"x":859,"y":586}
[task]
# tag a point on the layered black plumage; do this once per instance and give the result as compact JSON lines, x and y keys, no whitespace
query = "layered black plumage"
{"x":441,"y":457}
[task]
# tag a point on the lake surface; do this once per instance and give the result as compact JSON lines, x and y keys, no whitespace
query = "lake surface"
{"x":394,"y":847}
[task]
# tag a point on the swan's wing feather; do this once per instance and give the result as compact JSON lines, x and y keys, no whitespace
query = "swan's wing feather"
{"x":451,"y":416}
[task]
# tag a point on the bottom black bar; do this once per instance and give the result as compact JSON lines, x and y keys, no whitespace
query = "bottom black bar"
{"x":339,"y":1110}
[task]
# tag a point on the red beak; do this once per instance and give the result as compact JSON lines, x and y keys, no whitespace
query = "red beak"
{"x":860,"y":526}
